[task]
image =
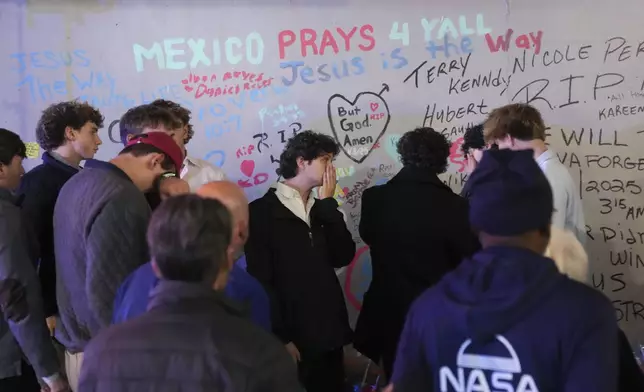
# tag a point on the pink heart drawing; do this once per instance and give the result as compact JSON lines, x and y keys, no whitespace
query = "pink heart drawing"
{"x":374,"y":106}
{"x":247,"y":167}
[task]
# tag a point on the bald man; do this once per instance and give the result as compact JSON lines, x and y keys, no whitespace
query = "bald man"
{"x":132,"y":297}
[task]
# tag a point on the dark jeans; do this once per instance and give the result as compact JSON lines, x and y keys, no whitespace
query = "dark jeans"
{"x":322,"y":372}
{"x":26,"y":382}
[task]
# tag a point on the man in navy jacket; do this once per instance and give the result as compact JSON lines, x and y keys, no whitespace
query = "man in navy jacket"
{"x":68,"y":132}
{"x":507,"y":319}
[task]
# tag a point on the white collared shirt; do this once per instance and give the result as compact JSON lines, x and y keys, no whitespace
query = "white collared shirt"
{"x":197,"y":172}
{"x":569,"y":213}
{"x":292,"y":200}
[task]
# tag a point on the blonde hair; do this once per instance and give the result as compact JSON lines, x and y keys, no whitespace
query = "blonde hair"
{"x":518,"y":120}
{"x":568,"y":254}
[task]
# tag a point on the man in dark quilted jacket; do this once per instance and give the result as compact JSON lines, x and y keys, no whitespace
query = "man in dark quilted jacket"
{"x":192,"y":338}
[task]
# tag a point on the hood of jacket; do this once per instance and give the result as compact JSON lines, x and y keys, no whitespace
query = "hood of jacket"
{"x":497,"y":288}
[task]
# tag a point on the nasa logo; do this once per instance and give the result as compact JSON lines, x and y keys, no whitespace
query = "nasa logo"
{"x":502,"y":372}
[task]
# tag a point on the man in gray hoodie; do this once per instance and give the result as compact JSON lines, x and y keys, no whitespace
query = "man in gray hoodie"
{"x":23,"y":332}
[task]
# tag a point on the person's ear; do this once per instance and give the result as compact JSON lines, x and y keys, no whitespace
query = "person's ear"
{"x":230,"y":255}
{"x":70,"y":134}
{"x":129,"y":137}
{"x":301,"y":163}
{"x":222,"y":277}
{"x":157,"y":271}
{"x":243,"y":232}
{"x":155,"y":160}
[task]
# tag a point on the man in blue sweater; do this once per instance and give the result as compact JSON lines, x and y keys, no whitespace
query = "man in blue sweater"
{"x":132,"y":297}
{"x":507,"y":320}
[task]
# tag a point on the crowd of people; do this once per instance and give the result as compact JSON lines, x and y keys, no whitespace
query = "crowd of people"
{"x":153,"y":272}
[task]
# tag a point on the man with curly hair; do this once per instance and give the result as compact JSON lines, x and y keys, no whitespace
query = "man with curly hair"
{"x":295,"y":242}
{"x":417,"y":230}
{"x":473,"y":146}
{"x":68,"y":132}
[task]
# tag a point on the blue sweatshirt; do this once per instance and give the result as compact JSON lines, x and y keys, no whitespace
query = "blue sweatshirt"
{"x":507,"y":320}
{"x":132,"y":297}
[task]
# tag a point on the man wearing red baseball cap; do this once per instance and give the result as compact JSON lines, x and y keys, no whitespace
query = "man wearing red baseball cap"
{"x":165,"y":144}
{"x":150,"y":118}
{"x":100,"y":223}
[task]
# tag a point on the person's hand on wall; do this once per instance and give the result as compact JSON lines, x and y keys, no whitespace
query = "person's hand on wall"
{"x":328,"y":182}
{"x":173,"y":186}
{"x":293,"y":351}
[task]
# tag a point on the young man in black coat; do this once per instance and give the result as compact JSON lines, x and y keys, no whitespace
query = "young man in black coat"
{"x":295,"y":243}
{"x":68,"y":132}
{"x":417,"y":230}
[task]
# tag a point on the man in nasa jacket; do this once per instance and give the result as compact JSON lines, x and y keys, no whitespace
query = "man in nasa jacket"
{"x":507,"y":320}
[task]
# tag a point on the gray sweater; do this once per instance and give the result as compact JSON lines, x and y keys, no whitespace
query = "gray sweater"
{"x":100,"y":222}
{"x":22,"y":325}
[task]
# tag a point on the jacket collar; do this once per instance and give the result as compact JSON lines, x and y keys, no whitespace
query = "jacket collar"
{"x":278,"y":209}
{"x":413,"y":174}
{"x":102,"y":165}
{"x":514,"y":253}
{"x":50,"y":159}
{"x":190,"y":161}
{"x":545,"y":157}
{"x":169,"y":292}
